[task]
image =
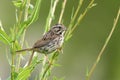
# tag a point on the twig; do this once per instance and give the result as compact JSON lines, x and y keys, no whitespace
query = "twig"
{"x":104,"y":47}
{"x":82,"y":15}
{"x":76,"y":13}
{"x":26,"y":10}
{"x":53,"y":11}
{"x":23,"y":35}
{"x":62,"y":11}
{"x":54,"y":56}
{"x":13,"y":61}
{"x":73,"y":26}
{"x":50,"y":15}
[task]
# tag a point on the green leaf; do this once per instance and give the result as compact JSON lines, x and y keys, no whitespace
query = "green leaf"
{"x":72,"y":13}
{"x":47,"y":26}
{"x":31,"y":8}
{"x":57,"y":65}
{"x":24,"y":73}
{"x":15,"y":74}
{"x":21,"y":30}
{"x":35,"y":12}
{"x":32,"y":18}
{"x":4,"y":37}
{"x":17,"y":3}
{"x":94,"y":4}
{"x":68,"y":37}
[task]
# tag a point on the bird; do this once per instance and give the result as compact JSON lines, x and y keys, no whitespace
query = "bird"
{"x":51,"y":41}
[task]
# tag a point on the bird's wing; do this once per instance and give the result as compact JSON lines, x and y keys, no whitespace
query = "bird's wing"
{"x":45,"y":40}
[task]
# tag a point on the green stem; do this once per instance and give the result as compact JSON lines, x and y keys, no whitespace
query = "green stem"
{"x":76,"y":13}
{"x":103,"y":48}
{"x":26,"y":10}
{"x":52,"y":12}
{"x":13,"y":63}
{"x":23,"y":36}
{"x":12,"y":68}
{"x":50,"y":15}
{"x":73,"y":19}
{"x":43,"y":68}
{"x":71,"y":29}
{"x":18,"y":59}
{"x":20,"y":17}
{"x":82,"y":15}
{"x":49,"y":66}
{"x":62,"y":11}
{"x":25,"y":19}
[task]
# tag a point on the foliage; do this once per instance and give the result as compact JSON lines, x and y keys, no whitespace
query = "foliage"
{"x":24,"y":18}
{"x":26,"y":14}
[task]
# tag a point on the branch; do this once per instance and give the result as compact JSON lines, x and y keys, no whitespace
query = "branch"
{"x":103,"y":48}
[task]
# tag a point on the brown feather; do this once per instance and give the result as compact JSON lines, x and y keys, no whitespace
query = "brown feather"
{"x":45,"y":40}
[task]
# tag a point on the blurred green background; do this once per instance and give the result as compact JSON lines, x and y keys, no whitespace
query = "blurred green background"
{"x":81,"y":50}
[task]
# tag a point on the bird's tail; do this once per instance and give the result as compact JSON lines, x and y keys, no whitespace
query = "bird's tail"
{"x":28,"y":49}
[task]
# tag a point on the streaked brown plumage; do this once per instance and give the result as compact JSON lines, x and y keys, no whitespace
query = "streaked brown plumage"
{"x":50,"y":42}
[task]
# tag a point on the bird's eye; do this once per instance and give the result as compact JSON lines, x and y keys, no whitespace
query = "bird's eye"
{"x":59,"y":27}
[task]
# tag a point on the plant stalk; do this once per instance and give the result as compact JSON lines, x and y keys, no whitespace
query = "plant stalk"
{"x":62,"y":11}
{"x":103,"y":48}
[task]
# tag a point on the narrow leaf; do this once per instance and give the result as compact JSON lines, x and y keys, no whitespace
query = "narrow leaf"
{"x":25,"y":72}
{"x":33,"y":17}
{"x":17,"y":3}
{"x":4,"y":37}
{"x":68,"y":37}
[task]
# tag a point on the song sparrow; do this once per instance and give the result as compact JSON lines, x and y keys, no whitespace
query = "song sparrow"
{"x":50,"y":42}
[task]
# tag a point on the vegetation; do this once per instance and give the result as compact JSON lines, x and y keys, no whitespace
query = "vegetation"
{"x":27,"y":14}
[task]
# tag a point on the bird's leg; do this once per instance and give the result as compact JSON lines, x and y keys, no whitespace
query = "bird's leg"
{"x":46,"y":57}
